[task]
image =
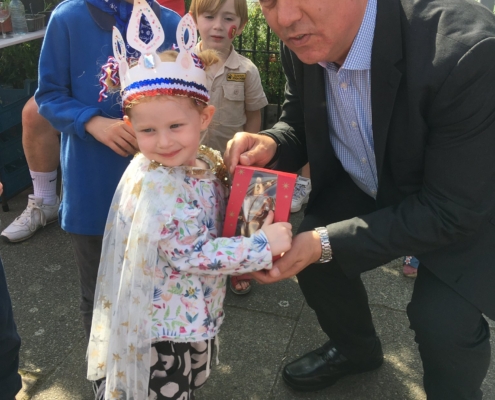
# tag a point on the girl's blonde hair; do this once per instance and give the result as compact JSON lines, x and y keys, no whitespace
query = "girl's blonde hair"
{"x":207,"y":57}
{"x":199,"y":7}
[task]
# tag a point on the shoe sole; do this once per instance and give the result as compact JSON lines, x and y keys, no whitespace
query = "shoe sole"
{"x":330,"y":382}
{"x":296,"y":209}
{"x":7,"y":240}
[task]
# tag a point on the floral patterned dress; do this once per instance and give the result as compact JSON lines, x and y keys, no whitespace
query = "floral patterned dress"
{"x":163,"y":268}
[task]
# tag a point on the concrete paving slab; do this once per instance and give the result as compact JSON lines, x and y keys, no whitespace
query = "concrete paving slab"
{"x":29,"y":381}
{"x":252,"y":347}
{"x":387,"y":286}
{"x":43,"y":284}
{"x":68,"y":381}
{"x":282,"y":298}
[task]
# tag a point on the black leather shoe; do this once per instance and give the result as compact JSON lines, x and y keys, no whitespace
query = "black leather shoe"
{"x":323,"y":367}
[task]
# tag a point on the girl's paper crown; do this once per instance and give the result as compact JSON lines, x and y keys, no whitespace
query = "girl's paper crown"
{"x":151,"y":76}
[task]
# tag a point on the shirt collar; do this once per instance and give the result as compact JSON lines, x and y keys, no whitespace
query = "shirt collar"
{"x":359,"y":57}
{"x":232,"y":61}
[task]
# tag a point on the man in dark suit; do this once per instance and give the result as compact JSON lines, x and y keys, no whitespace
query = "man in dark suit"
{"x":393,"y":104}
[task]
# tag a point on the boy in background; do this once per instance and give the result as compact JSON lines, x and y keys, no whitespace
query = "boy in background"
{"x":234,"y":82}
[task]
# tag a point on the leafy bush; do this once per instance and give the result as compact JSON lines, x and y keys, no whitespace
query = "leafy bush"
{"x":19,"y":62}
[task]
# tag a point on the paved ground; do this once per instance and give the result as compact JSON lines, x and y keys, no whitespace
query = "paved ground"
{"x":262,"y":331}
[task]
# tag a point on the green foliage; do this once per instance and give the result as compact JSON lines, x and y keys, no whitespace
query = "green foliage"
{"x":261,"y":46}
{"x":19,"y":62}
{"x":48,"y":6}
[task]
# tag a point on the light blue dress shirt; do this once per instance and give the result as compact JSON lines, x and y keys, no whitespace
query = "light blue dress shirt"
{"x":348,"y":95}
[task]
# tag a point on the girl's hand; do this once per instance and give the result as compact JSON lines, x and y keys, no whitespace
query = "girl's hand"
{"x":279,"y":235}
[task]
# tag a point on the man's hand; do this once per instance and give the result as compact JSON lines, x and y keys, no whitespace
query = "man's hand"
{"x":113,"y":133}
{"x":249,"y":149}
{"x":305,"y":250}
{"x":1,"y":188}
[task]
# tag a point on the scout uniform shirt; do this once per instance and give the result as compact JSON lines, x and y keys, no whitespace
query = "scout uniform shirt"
{"x":234,"y":89}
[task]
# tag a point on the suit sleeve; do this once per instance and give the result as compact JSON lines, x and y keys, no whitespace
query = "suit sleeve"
{"x":458,"y":191}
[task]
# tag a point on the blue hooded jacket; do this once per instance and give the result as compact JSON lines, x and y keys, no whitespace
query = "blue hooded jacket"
{"x":78,"y":42}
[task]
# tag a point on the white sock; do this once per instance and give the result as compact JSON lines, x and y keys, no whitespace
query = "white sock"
{"x":45,"y":186}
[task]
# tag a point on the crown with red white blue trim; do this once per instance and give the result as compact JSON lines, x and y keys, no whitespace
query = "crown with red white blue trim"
{"x":151,"y":76}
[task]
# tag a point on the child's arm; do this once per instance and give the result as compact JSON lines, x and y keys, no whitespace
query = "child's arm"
{"x":70,"y":109}
{"x":55,"y":96}
{"x":190,"y":248}
{"x":253,"y":121}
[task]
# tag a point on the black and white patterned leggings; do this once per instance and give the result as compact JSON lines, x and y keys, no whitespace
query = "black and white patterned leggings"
{"x":177,"y":369}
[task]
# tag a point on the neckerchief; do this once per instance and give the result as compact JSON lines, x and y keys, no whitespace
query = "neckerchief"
{"x":122,"y":11}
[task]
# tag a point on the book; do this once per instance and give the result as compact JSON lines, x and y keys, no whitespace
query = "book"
{"x":255,"y":191}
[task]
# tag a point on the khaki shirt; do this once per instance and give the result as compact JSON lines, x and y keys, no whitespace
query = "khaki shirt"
{"x":235,"y":89}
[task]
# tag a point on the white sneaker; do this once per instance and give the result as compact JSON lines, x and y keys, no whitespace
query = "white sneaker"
{"x":35,"y":216}
{"x":301,"y":193}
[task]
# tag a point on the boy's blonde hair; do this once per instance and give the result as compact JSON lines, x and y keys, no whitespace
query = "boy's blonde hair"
{"x":207,"y":57}
{"x":199,"y":7}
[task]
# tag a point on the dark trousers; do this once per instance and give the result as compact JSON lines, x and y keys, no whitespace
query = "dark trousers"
{"x":453,"y":339}
{"x":452,"y":334}
{"x":340,"y":303}
{"x":87,"y":251}
{"x":10,"y":342}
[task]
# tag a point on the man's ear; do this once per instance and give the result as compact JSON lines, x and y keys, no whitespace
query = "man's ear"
{"x":127,"y":120}
{"x":206,"y":116}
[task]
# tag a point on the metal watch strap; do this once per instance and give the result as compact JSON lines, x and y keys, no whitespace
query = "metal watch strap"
{"x":326,"y":249}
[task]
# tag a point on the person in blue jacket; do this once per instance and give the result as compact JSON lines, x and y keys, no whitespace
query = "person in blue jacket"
{"x":96,"y":146}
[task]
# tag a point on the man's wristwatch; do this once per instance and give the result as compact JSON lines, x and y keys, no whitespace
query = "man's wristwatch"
{"x":326,"y":249}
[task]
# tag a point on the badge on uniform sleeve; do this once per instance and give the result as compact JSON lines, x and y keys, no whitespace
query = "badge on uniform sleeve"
{"x":236,"y":77}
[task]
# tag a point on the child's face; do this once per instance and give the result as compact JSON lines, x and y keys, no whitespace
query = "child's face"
{"x":219,"y":30}
{"x":168,"y":129}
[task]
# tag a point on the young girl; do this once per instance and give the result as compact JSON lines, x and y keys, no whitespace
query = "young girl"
{"x":235,"y":82}
{"x":162,"y":282}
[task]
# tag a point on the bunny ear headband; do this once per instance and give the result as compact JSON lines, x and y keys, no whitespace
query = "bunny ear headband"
{"x":151,"y":76}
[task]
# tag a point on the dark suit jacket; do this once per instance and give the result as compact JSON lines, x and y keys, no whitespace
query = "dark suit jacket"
{"x":433,"y":109}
